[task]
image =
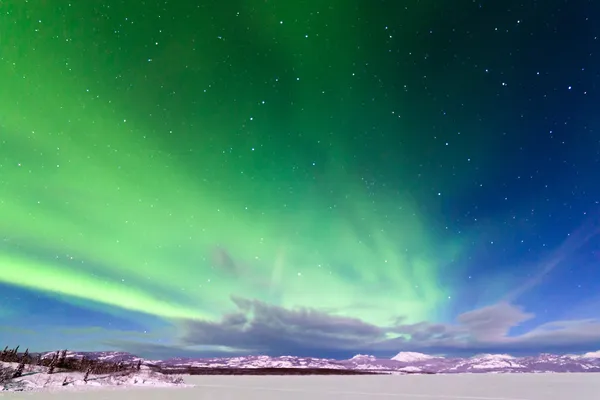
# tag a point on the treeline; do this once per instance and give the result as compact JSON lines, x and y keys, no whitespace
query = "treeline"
{"x":190,"y":370}
{"x":59,"y":362}
{"x":260,"y":371}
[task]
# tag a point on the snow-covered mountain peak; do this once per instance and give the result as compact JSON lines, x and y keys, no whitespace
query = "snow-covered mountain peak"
{"x":490,"y":357}
{"x":409,"y":356}
{"x":593,"y":354}
{"x":363,"y":357}
{"x":489,"y":362}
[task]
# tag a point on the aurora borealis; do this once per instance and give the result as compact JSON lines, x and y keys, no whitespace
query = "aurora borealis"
{"x":340,"y":173}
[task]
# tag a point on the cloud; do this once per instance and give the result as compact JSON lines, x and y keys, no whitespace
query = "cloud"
{"x":259,"y":328}
{"x":492,"y":323}
{"x":488,"y":329}
{"x":564,"y":333}
{"x":473,"y":330}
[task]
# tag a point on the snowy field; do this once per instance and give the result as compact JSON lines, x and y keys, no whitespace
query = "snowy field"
{"x":416,"y":387}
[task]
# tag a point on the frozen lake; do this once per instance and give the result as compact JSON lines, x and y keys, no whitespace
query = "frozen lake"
{"x":415,"y":387}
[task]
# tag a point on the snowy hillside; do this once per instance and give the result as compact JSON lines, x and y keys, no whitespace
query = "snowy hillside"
{"x":37,"y":378}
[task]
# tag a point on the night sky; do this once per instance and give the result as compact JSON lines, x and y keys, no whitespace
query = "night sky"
{"x":305,"y":177}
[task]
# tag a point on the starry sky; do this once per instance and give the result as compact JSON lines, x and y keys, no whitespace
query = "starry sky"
{"x":307,"y":177}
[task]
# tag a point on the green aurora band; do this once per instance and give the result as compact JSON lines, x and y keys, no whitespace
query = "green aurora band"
{"x":111,"y":209}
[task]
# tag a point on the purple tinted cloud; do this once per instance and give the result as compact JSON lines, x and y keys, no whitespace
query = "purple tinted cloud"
{"x":257,"y":327}
{"x":260,"y":327}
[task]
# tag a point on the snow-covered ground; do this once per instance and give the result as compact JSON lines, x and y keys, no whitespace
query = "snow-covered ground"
{"x":584,"y":386}
{"x":36,"y":378}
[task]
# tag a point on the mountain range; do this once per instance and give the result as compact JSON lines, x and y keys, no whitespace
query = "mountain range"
{"x":404,"y":362}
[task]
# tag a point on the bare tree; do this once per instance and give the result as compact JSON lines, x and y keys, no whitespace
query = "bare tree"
{"x":62,"y":358}
{"x":26,"y":358}
{"x":4,"y":354}
{"x":19,"y":371}
{"x":9,"y":355}
{"x":52,"y":365}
